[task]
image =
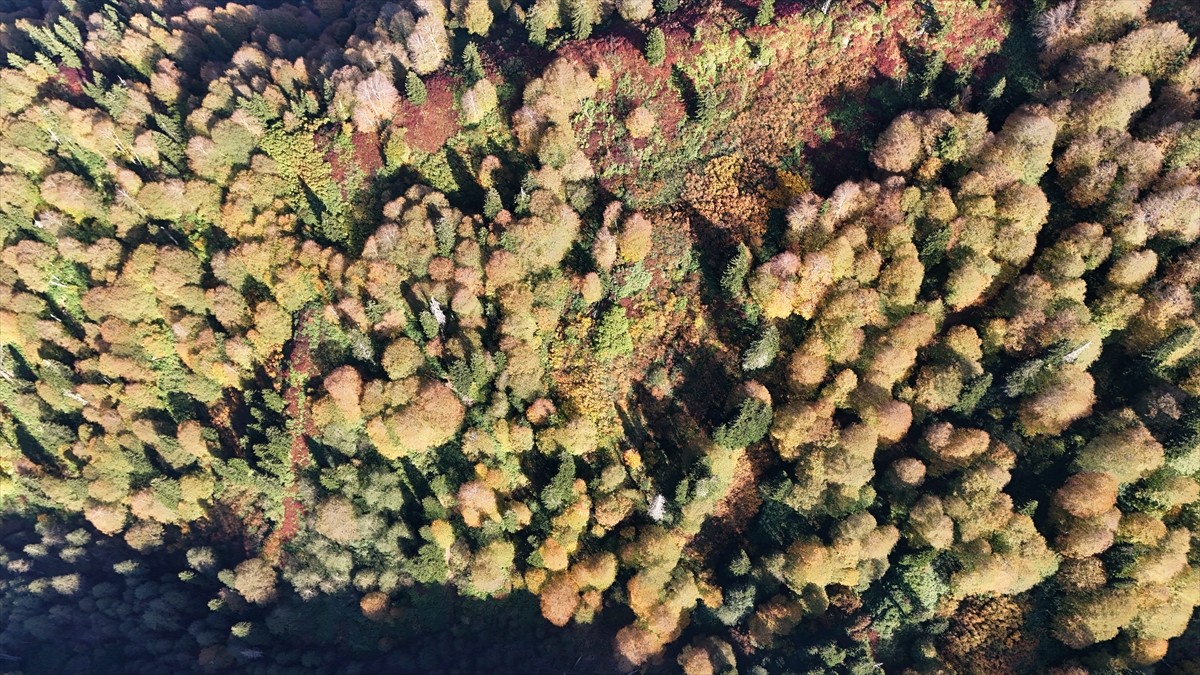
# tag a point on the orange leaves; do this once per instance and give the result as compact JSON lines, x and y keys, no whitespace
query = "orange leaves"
{"x":1087,"y":494}
{"x":344,"y":386}
{"x":477,"y":501}
{"x":728,"y":195}
{"x":1067,"y":397}
{"x":559,"y":599}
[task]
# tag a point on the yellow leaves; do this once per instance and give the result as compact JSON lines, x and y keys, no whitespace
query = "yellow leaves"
{"x":729,"y":195}
{"x":431,"y":420}
{"x":541,"y":243}
{"x":72,"y":195}
{"x":578,"y":437}
{"x":490,"y":569}
{"x":632,"y":459}
{"x":634,"y":240}
{"x":1127,"y":455}
{"x":1152,"y":50}
{"x":441,"y":532}
{"x":778,"y":616}
{"x":613,"y":508}
{"x":597,"y":571}
{"x":272,"y":328}
{"x":798,"y":423}
{"x":564,"y":80}
{"x":33,"y":261}
{"x":402,"y":358}
{"x":195,"y":490}
{"x":591,"y":289}
{"x":511,"y":437}
{"x":788,"y":186}
{"x":295,"y":286}
{"x":478,"y":100}
{"x":569,"y":525}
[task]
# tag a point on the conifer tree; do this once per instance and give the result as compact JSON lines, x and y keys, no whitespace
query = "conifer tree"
{"x":656,"y":47}
{"x":414,"y":88}
{"x":765,"y":13}
{"x":536,"y":26}
{"x":472,"y":65}
{"x":492,"y":204}
{"x":581,"y":18}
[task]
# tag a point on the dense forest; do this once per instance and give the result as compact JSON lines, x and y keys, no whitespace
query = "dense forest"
{"x":600,"y":336}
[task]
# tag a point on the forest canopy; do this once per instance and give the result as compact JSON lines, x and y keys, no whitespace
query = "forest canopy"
{"x":576,"y":336}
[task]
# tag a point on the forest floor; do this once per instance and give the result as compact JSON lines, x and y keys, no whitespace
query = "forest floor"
{"x":300,"y":369}
{"x":783,"y":94}
{"x":733,"y":513}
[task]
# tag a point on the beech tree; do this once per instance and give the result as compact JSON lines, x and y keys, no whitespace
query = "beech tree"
{"x":375,"y":101}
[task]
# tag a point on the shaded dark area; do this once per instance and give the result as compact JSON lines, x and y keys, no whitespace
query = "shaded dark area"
{"x":152,"y":614}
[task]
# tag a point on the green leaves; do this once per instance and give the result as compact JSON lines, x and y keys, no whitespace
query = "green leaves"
{"x":733,"y":281}
{"x":656,"y":47}
{"x":612,"y":335}
{"x":472,"y":65}
{"x":765,"y":12}
{"x":560,"y":490}
{"x":414,"y":89}
{"x":750,"y":426}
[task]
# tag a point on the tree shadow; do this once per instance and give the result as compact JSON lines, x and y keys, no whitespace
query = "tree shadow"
{"x":151,"y":617}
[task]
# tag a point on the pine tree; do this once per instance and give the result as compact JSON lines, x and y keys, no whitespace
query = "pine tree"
{"x":656,"y":47}
{"x":706,"y":105}
{"x":414,"y":89}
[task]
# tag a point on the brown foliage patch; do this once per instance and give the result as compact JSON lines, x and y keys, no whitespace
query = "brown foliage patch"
{"x":987,"y":635}
{"x":429,"y":125}
{"x":300,"y":369}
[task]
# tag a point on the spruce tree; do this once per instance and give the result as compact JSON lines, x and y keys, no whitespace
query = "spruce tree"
{"x":492,"y":204}
{"x":765,"y":13}
{"x":536,"y":26}
{"x":581,"y":19}
{"x":656,"y":47}
{"x":472,"y":65}
{"x":414,"y":88}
